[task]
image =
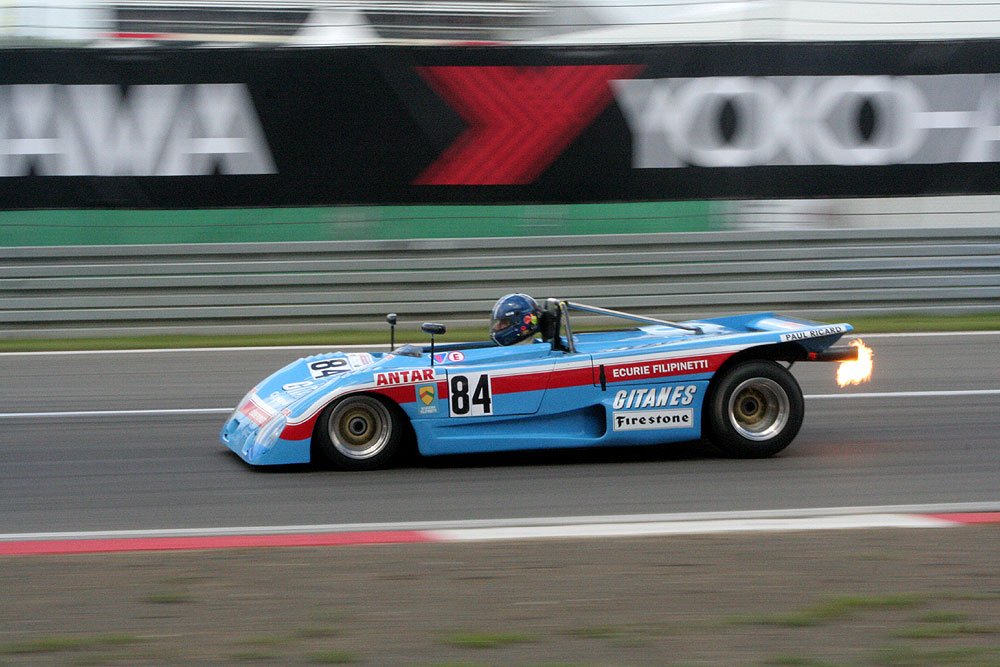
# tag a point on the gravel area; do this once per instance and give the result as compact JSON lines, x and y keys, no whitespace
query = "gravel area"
{"x":876,"y":597}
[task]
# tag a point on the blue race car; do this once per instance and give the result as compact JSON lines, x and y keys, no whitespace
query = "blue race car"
{"x":537,"y":384}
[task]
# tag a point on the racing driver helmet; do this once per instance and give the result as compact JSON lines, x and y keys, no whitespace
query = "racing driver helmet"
{"x":515,"y":317}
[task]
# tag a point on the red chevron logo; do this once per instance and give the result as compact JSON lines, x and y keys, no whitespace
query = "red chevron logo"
{"x":520,"y":119}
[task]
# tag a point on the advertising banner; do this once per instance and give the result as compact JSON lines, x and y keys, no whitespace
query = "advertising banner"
{"x":204,"y":128}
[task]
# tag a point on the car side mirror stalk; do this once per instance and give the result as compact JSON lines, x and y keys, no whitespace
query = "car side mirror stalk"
{"x":391,"y":319}
{"x":432,"y":329}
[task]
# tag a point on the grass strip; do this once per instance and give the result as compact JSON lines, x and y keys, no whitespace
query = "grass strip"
{"x":831,"y":609}
{"x":485,"y":640}
{"x":333,"y":658}
{"x":909,"y":657}
{"x":943,"y":630}
{"x":60,"y":643}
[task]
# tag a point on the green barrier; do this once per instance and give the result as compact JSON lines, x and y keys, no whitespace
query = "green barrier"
{"x":121,"y":227}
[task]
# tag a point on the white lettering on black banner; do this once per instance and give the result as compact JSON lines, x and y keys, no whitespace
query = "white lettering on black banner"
{"x":150,"y":130}
{"x":812,"y":120}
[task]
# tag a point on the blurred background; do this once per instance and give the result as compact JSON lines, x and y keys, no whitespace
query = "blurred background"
{"x":233,"y":167}
{"x":209,"y":173}
{"x":344,"y":22}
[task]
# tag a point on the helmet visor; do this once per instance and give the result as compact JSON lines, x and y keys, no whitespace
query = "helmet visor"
{"x":500,"y":323}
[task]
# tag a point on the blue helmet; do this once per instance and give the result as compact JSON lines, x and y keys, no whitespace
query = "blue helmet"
{"x":515,"y":317}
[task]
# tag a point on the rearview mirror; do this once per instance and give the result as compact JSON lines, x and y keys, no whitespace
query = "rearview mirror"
{"x":391,"y":319}
{"x":432,"y":329}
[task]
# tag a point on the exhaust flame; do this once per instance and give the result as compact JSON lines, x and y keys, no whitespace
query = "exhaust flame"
{"x":856,"y":372}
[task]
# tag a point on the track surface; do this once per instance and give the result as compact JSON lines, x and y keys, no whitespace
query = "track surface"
{"x":141,"y":472}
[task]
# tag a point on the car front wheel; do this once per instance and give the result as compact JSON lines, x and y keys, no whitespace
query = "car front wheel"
{"x":359,"y":433}
{"x":754,"y":410}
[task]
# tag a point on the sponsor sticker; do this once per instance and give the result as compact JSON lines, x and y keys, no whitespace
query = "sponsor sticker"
{"x":656,"y":397}
{"x":257,"y":411}
{"x":407,"y":376}
{"x":814,"y":333}
{"x":647,"y":420}
{"x":657,"y":369}
{"x":298,"y":389}
{"x":445,"y":357}
{"x":360,"y":359}
{"x":426,"y":393}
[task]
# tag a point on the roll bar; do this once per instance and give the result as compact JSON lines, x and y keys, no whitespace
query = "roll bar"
{"x":565,"y":306}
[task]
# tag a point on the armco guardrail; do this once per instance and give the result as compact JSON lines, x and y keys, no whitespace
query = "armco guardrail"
{"x":256,"y":288}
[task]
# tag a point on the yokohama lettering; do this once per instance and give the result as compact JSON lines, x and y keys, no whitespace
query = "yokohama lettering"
{"x":812,"y":120}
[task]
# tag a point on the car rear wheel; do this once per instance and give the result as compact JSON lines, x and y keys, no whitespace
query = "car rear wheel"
{"x":359,"y":432}
{"x":754,"y":410}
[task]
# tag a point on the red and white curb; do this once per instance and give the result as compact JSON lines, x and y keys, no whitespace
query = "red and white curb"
{"x":703,"y":523}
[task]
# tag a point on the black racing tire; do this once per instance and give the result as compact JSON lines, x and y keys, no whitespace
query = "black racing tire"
{"x":753,"y":410}
{"x":359,"y":432}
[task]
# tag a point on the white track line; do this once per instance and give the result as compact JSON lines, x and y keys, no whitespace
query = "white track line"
{"x":850,"y":522}
{"x":270,"y":348}
{"x":334,"y":346}
{"x":908,"y":394}
{"x":186,"y":411}
{"x":796,"y":519}
{"x":116,"y":413}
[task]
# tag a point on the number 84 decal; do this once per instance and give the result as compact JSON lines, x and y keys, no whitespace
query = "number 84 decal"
{"x":470,"y":395}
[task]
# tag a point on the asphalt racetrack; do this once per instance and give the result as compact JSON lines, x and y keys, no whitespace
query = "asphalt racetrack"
{"x":77,"y":458}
